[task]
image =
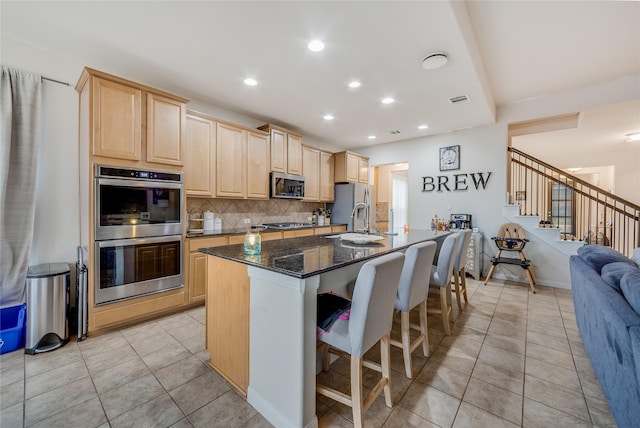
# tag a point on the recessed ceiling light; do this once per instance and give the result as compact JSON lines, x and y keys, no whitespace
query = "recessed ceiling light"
{"x":371,"y":137}
{"x":250,"y":82}
{"x":423,"y":126}
{"x":327,"y":117}
{"x":354,"y":84}
{"x":634,"y":136}
{"x":315,"y":46}
{"x":388,"y":100}
{"x":435,"y":60}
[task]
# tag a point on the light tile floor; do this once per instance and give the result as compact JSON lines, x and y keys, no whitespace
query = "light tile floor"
{"x":514,"y":359}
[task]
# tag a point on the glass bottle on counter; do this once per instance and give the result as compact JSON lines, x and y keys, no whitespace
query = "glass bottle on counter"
{"x":252,"y":244}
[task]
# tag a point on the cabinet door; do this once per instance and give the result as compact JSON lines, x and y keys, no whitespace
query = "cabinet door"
{"x":197,"y":276}
{"x":311,"y":172}
{"x":230,"y":161}
{"x":294,"y":154}
{"x":363,"y":170}
{"x":116,"y":120}
{"x":257,"y":166}
{"x":353,"y":166}
{"x":326,"y":177}
{"x":278,"y":151}
{"x":166,"y":120}
{"x":199,"y":162}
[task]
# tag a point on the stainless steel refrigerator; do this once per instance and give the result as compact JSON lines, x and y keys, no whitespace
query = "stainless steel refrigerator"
{"x":355,"y":206}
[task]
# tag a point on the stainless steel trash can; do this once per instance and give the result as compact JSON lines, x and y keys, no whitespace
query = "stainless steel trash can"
{"x":47,"y":303}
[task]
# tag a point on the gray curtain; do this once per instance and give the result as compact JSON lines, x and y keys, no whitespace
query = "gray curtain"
{"x":20,"y":98}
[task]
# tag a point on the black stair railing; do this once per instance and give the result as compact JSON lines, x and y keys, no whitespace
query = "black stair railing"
{"x":580,"y":210}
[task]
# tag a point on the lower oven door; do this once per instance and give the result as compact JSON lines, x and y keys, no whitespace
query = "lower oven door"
{"x":127,"y":268}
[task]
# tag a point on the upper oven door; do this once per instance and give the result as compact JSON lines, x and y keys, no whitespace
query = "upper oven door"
{"x":137,"y":208}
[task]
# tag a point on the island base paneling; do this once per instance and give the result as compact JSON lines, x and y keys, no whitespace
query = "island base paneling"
{"x":227,"y":337}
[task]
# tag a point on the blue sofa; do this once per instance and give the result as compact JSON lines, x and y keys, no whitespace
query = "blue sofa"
{"x":606,"y":296}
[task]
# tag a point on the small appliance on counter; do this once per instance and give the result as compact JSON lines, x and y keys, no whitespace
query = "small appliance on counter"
{"x":209,"y":221}
{"x":460,"y":221}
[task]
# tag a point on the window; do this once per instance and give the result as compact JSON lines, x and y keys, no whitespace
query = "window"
{"x":562,"y":207}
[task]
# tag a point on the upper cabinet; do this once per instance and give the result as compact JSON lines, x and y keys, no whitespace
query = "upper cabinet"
{"x":120,"y":110}
{"x":286,"y":149}
{"x":351,"y":168}
{"x":257,"y":165}
{"x":242,"y":159}
{"x":231,"y":155}
{"x":311,"y":171}
{"x":294,"y":154}
{"x":326,"y":176}
{"x":317,"y":168}
{"x":200,"y":150}
{"x":166,"y":119}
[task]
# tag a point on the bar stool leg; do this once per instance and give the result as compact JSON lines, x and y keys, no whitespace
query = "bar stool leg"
{"x":406,"y":342}
{"x":385,"y":366}
{"x":423,"y":328}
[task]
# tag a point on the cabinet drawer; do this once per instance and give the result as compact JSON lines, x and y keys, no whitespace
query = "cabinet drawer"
{"x":196,"y":243}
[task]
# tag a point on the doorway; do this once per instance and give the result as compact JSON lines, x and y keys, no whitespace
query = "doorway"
{"x":392,"y":196}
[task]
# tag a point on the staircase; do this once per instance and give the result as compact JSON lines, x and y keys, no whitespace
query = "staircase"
{"x":565,"y":211}
{"x":560,"y":213}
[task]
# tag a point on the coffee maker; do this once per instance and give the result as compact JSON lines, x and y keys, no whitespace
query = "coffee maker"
{"x":460,"y":221}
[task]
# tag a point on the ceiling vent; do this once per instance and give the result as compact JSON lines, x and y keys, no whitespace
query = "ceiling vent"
{"x":394,"y":132}
{"x":459,"y":99}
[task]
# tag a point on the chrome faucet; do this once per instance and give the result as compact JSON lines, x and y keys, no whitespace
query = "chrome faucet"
{"x":366,"y":216}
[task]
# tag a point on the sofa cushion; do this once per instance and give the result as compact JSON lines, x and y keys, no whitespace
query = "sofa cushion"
{"x":636,"y":256}
{"x":597,"y":256}
{"x":613,"y":272}
{"x":630,"y":286}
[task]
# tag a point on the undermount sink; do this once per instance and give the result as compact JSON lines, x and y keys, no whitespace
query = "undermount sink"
{"x":360,"y":238}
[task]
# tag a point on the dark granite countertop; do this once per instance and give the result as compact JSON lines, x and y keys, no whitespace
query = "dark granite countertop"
{"x":312,"y":255}
{"x":243,"y":230}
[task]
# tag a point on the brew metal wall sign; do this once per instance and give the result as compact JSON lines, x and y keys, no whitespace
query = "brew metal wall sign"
{"x":450,"y":160}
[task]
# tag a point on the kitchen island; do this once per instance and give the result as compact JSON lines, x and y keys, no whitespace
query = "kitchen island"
{"x":261,"y":314}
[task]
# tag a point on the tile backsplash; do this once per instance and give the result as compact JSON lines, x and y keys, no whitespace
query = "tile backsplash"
{"x":234,"y":211}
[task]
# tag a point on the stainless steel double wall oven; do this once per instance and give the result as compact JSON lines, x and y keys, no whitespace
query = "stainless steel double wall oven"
{"x":138,"y":230}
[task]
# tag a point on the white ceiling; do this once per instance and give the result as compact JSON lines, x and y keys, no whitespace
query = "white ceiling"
{"x":499,"y":53}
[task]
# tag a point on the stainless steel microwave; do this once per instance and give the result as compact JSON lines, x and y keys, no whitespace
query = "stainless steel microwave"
{"x":287,"y":186}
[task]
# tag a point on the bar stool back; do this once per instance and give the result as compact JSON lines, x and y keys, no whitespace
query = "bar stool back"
{"x":369,"y":322}
{"x":413,"y":292}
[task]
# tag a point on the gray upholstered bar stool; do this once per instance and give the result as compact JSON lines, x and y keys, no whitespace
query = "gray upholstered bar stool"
{"x":441,"y":277}
{"x":459,"y":275}
{"x":369,"y":322}
{"x":413,"y":290}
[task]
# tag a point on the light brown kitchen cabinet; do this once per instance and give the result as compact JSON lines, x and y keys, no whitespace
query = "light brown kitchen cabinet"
{"x":294,"y":154}
{"x":200,"y":147}
{"x":120,"y":127}
{"x":257,"y":168}
{"x":278,"y":150}
{"x":286,"y":149}
{"x":363,"y":170}
{"x":242,"y":158}
{"x":127,"y":124}
{"x":231,"y":155}
{"x":351,"y":168}
{"x":326,"y":177}
{"x":116,"y":120}
{"x":311,"y":172}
